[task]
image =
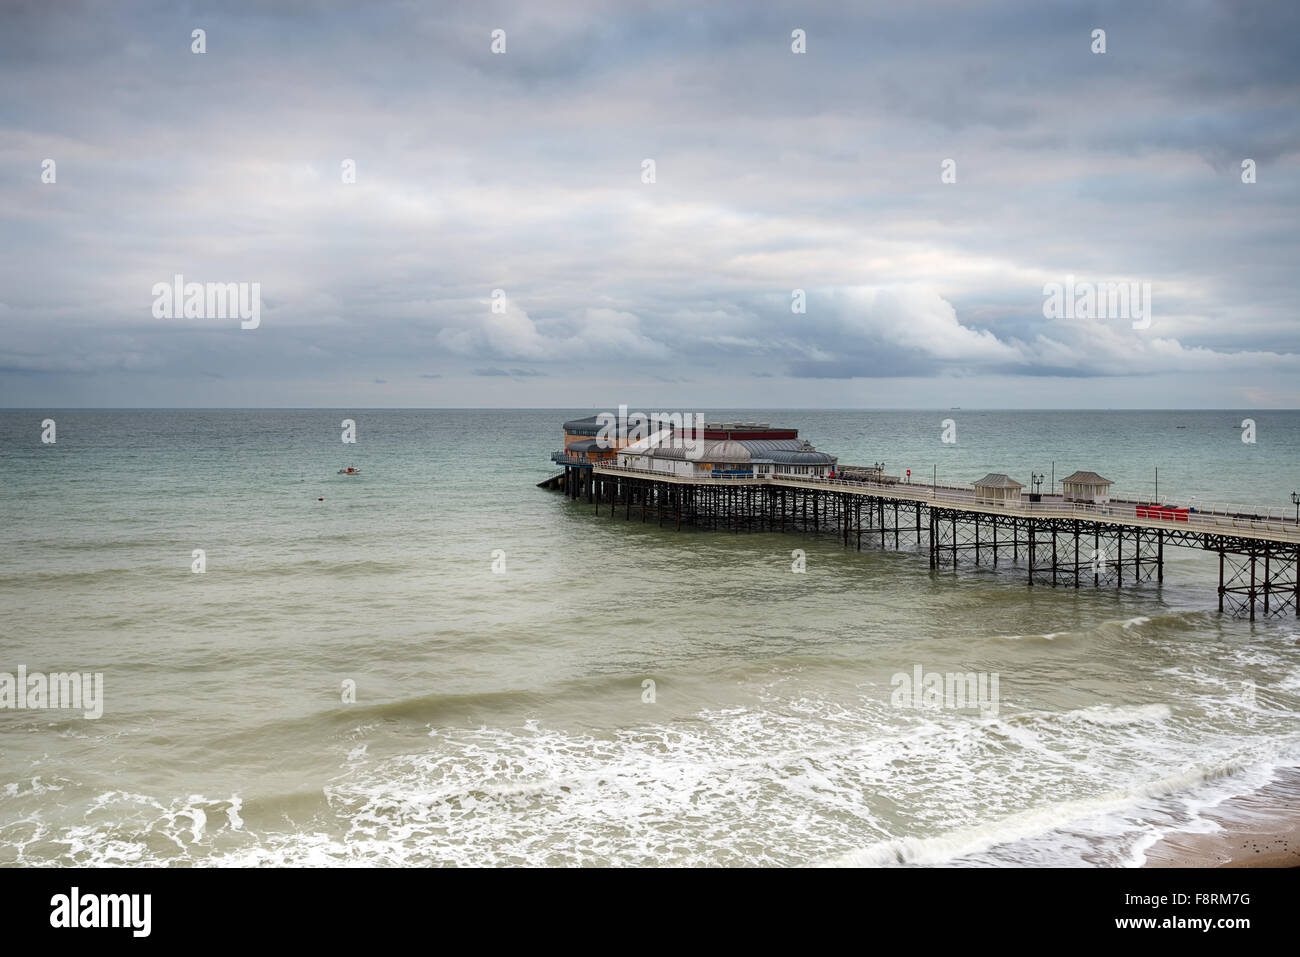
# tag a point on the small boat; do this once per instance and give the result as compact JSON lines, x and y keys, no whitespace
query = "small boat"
{"x":349,"y":471}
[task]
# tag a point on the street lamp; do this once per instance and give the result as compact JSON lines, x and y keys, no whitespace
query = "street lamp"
{"x":1037,"y":479}
{"x":1295,"y":500}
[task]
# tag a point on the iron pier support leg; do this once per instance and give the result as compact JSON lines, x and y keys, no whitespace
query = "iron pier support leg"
{"x":1119,"y":558}
{"x":1053,"y":556}
{"x":1031,"y":553}
{"x":1220,"y":579}
{"x":1160,"y":555}
{"x":1267,"y":554}
{"x":1076,"y":556}
{"x":1252,"y":584}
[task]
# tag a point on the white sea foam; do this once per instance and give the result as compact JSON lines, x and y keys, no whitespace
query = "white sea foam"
{"x":762,"y":788}
{"x":808,"y":782}
{"x":800,"y":780}
{"x":232,"y":812}
{"x":1106,"y":714}
{"x":1034,"y":822}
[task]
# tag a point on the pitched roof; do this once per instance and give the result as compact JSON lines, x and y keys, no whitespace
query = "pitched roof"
{"x":651,"y":444}
{"x":998,"y":480}
{"x":1087,"y":478}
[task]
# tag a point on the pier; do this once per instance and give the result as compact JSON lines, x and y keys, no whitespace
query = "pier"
{"x":1060,"y":543}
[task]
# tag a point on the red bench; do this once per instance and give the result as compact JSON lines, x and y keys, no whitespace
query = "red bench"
{"x":1166,"y":513}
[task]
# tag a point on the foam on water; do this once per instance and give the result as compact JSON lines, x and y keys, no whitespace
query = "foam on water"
{"x":809,"y":784}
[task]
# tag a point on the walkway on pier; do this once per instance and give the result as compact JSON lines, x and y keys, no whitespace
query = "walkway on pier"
{"x":1236,"y":521}
{"x":1064,"y":542}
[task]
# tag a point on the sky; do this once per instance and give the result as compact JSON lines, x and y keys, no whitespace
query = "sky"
{"x":921,"y":174}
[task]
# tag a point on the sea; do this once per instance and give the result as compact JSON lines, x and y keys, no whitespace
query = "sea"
{"x":435,"y":662}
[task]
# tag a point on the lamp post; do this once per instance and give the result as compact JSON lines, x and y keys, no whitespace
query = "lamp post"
{"x":1295,"y":500}
{"x":1037,"y":479}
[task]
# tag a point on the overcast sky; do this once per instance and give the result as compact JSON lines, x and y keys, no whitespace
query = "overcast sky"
{"x":774,"y":171}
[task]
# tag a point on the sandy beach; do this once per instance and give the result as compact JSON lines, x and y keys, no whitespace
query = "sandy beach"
{"x":1261,"y":829}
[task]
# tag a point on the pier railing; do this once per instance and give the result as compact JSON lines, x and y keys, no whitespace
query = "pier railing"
{"x":1211,"y":517}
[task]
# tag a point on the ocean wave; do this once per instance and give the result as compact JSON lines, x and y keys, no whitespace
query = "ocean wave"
{"x":1113,"y":715}
{"x":949,"y":846}
{"x":794,"y":782}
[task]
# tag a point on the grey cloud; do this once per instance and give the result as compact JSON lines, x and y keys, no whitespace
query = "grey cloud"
{"x":521,"y":172}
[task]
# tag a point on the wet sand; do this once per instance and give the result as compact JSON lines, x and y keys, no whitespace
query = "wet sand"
{"x":1261,"y":829}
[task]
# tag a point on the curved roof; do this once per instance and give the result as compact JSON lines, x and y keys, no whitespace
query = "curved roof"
{"x":653,"y":451}
{"x":720,"y":451}
{"x":998,"y":480}
{"x":778,"y":451}
{"x":727,"y":450}
{"x":799,"y":457}
{"x":764,"y":446}
{"x":579,"y":426}
{"x":586,"y":445}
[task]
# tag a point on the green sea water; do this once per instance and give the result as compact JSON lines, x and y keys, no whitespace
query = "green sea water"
{"x":504,"y":717}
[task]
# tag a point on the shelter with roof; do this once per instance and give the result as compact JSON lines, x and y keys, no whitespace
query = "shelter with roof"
{"x":996,"y":487}
{"x":1086,"y":487}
